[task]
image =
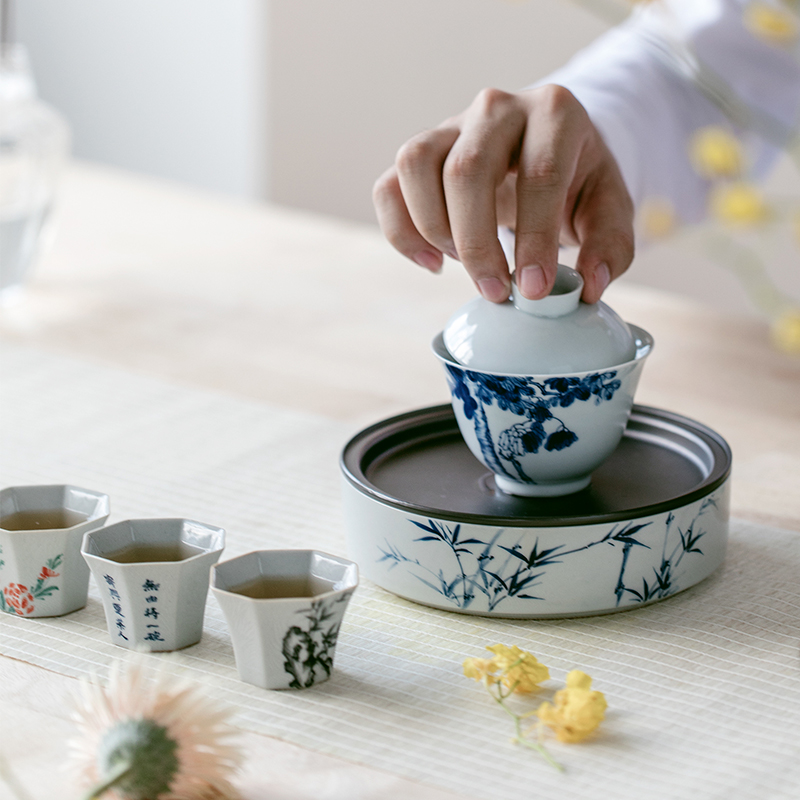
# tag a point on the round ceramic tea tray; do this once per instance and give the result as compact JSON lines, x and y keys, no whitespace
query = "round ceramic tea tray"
{"x":426,"y":521}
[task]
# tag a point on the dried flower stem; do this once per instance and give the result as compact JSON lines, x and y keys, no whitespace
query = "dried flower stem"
{"x":500,"y":698}
{"x":750,"y":270}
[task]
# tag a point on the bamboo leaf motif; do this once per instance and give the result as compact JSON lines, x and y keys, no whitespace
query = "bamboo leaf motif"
{"x":498,"y":572}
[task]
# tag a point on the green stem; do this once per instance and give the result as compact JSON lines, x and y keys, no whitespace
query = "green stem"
{"x":750,"y":271}
{"x":499,"y":698}
{"x":122,"y":770}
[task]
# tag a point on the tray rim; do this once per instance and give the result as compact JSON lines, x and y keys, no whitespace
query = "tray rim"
{"x":360,"y":443}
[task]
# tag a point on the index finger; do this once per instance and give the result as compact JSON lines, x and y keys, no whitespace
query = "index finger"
{"x":548,"y":161}
{"x":474,"y":169}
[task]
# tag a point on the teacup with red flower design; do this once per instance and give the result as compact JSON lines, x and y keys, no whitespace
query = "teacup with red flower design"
{"x":42,"y":573}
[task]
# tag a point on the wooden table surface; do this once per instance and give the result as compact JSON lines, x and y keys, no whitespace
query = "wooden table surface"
{"x":308,"y":312}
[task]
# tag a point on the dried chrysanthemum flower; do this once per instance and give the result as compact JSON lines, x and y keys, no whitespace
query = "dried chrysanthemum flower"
{"x":576,"y":711}
{"x":517,"y":670}
{"x":785,"y":331}
{"x":153,"y":739}
{"x":778,"y":26}
{"x":739,"y":204}
{"x":716,"y":153}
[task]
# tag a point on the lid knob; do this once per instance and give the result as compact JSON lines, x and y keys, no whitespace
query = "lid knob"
{"x":563,"y":298}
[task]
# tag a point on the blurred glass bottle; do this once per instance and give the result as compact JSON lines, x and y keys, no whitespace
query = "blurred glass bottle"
{"x":34,"y":140}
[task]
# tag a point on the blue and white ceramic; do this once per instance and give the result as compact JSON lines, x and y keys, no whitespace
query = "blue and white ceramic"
{"x":285,"y":642}
{"x":154,"y":605}
{"x":536,"y":572}
{"x":425,"y":521}
{"x":42,"y":573}
{"x":543,"y":435}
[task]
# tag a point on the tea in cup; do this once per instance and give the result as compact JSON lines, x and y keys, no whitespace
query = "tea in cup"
{"x":42,"y":573}
{"x":153,"y":579}
{"x":284,"y":609}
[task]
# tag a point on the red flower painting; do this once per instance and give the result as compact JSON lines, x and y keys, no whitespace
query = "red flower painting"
{"x":19,"y":599}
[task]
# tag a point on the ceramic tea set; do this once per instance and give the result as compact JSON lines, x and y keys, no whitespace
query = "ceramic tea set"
{"x":153,"y":577}
{"x":540,"y":491}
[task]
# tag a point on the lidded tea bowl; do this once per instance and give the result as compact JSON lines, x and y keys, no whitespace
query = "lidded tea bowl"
{"x":542,"y":389}
{"x":554,"y":335}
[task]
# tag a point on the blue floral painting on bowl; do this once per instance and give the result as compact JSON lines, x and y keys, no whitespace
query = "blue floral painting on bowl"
{"x":537,"y":402}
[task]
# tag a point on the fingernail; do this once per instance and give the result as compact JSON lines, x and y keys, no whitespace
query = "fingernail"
{"x":429,"y":260}
{"x":532,"y":282}
{"x":493,"y":289}
{"x":602,"y":277}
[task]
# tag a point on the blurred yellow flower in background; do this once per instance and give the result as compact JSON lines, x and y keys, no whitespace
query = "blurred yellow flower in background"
{"x":775,"y":25}
{"x":716,"y":153}
{"x":517,"y":670}
{"x":786,"y":331}
{"x":739,"y":204}
{"x":577,"y":710}
{"x":657,"y":217}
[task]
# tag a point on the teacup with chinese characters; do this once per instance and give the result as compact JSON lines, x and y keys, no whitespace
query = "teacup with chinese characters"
{"x":42,"y":573}
{"x":153,"y":579}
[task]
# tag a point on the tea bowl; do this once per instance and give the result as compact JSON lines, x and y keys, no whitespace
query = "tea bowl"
{"x":542,"y":435}
{"x":152,"y":603}
{"x":284,"y":609}
{"x":42,"y":573}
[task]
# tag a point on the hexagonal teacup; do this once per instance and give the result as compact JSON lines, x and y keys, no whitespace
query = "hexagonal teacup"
{"x":153,"y":579}
{"x":42,"y":573}
{"x":284,"y":609}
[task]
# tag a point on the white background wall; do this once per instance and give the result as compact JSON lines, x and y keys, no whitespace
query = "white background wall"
{"x":175,"y":88}
{"x":353,"y":79}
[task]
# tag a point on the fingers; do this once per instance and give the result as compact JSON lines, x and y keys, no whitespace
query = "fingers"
{"x":534,"y":158}
{"x":419,"y":167}
{"x":397,"y":225}
{"x":553,"y":143}
{"x":476,"y":166}
{"x":603,"y":222}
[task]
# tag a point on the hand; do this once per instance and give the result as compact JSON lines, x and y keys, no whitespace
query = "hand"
{"x":532,"y":161}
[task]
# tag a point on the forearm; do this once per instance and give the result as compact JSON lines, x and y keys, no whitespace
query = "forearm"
{"x":647,"y":111}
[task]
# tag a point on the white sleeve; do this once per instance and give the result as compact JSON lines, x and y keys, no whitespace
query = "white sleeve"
{"x":647,"y":109}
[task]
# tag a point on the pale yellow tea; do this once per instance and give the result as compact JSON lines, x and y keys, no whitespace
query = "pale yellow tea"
{"x":46,"y":520}
{"x":276,"y":586}
{"x":141,"y":553}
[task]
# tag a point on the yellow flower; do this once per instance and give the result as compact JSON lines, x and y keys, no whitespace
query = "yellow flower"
{"x":786,"y":331}
{"x":577,"y":711}
{"x":657,"y":217}
{"x":716,"y":153}
{"x":479,"y":669}
{"x":774,"y":25}
{"x":739,"y":204}
{"x":515,"y":669}
{"x":519,"y":670}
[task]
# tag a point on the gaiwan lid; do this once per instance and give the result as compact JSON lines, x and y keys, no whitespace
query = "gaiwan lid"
{"x":554,"y":335}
